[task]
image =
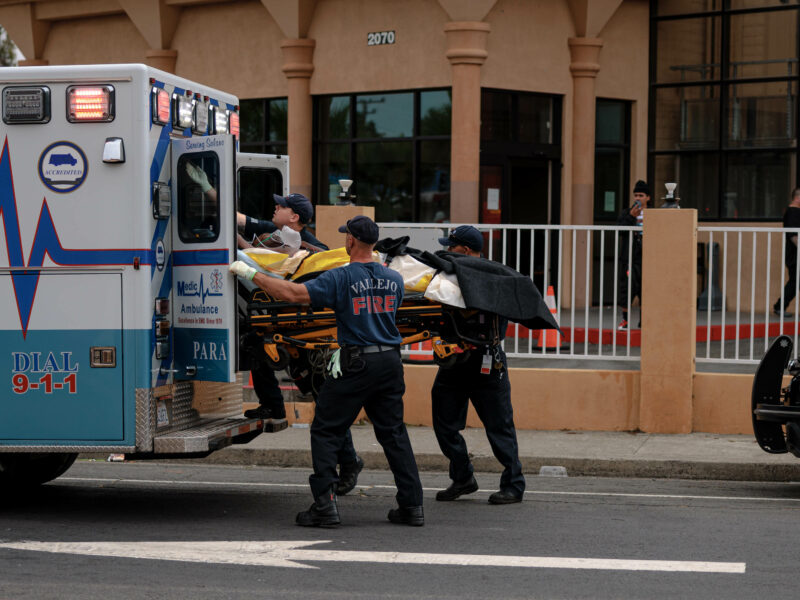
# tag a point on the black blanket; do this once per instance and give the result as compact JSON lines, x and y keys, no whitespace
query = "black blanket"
{"x":485,"y":284}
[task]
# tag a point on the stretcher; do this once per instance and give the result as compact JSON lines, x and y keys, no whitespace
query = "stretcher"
{"x":301,"y":339}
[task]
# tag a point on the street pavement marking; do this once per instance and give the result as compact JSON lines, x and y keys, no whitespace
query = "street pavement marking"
{"x":304,"y":486}
{"x":286,"y":553}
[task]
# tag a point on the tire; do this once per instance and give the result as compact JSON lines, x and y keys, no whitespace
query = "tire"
{"x":283,"y":360}
{"x":28,"y":469}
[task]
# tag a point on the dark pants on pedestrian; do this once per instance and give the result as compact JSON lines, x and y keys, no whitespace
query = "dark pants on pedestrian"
{"x":790,"y":259}
{"x":378,"y":387}
{"x":491,"y":397}
{"x":635,"y":280}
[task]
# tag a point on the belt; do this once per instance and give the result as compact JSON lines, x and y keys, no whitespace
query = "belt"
{"x":376,"y":348}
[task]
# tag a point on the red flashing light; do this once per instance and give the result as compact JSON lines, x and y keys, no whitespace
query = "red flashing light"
{"x":90,"y":103}
{"x":234,"y":123}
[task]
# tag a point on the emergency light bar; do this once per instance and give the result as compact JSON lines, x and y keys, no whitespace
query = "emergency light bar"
{"x":219,"y":120}
{"x":90,"y":103}
{"x":183,"y":109}
{"x":159,"y":100}
{"x":200,"y":117}
{"x":26,"y":105}
{"x":233,"y":121}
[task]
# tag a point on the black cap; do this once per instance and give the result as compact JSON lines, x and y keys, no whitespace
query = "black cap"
{"x":641,"y":188}
{"x":299,"y":204}
{"x":464,"y":235}
{"x":362,"y":228}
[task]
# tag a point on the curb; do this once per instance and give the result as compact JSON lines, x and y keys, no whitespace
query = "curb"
{"x":576,"y":467}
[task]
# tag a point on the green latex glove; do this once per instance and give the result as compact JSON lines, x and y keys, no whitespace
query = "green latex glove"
{"x":335,"y":366}
{"x":198,"y":176}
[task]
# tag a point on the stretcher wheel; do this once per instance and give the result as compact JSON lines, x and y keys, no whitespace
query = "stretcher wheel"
{"x":283,"y":359}
{"x":447,"y":361}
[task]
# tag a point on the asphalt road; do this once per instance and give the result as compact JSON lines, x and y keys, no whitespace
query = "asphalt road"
{"x":141,"y":530}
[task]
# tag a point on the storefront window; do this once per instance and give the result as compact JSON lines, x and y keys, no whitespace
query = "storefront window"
{"x":264,"y":125}
{"x":611,"y":158}
{"x":724,"y":118}
{"x":394,"y":146}
{"x":385,"y":115}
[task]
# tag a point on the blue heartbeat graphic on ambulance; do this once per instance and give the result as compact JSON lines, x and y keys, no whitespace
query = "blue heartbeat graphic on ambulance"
{"x":45,"y":243}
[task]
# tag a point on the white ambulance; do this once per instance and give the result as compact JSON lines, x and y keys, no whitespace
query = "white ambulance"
{"x":118,"y":327}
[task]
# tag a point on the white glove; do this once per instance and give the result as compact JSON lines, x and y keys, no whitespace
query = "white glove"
{"x":243,"y":270}
{"x":335,"y":366}
{"x":198,"y":176}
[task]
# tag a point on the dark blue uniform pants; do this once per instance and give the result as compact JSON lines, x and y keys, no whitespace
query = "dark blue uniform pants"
{"x":265,"y":385}
{"x":491,"y":396}
{"x":378,"y":388}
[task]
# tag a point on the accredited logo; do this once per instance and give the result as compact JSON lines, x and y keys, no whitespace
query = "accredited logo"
{"x":63,"y":167}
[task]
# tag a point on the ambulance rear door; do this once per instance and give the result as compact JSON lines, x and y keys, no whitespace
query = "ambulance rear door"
{"x":204,"y":228}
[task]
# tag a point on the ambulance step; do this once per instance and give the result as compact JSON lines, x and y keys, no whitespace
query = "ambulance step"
{"x":208,"y":436}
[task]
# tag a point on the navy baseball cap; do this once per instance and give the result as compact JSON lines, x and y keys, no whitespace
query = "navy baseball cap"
{"x":464,"y":235}
{"x":299,"y":204}
{"x":362,"y":228}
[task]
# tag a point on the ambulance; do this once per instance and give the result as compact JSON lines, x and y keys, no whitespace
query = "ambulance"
{"x":118,"y":323}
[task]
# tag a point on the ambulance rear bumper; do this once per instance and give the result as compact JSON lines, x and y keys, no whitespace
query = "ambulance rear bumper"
{"x":208,"y":436}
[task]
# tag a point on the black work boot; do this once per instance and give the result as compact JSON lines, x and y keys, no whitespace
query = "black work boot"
{"x":458,"y":488}
{"x":407,"y":515}
{"x":323,"y":513}
{"x":348,"y":476}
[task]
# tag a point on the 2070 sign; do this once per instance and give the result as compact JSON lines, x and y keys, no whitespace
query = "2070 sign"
{"x":380,"y":38}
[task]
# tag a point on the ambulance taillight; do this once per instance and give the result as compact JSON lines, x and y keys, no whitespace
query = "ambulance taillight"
{"x":160,"y":104}
{"x":26,"y":105}
{"x":90,"y":103}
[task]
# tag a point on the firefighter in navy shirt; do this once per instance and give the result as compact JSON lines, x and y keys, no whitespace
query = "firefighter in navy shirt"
{"x":366,"y":372}
{"x":482,"y":378}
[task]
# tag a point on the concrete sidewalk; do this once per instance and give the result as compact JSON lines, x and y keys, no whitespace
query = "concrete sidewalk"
{"x":582,"y":453}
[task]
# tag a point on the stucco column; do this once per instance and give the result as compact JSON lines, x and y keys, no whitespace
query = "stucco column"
{"x":298,"y":65}
{"x":669,"y":320}
{"x":584,"y":66}
{"x":466,"y":51}
{"x":162,"y":59}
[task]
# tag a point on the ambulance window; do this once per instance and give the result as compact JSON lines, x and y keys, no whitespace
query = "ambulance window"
{"x":198,"y":210}
{"x":256,"y":187}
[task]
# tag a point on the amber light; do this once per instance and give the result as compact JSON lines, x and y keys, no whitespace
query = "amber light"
{"x":94,"y":103}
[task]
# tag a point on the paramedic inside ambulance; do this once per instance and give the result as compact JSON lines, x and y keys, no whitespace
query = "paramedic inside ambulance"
{"x":293,"y":210}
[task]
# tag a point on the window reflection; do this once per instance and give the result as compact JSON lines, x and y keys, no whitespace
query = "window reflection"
{"x":384,"y":116}
{"x":435,"y":109}
{"x":434,"y":182}
{"x":383,"y":179}
{"x":762,"y":114}
{"x":697,"y":175}
{"x":334,"y":117}
{"x":688,"y":50}
{"x":758,"y":184}
{"x":399,"y":165}
{"x":334,"y":164}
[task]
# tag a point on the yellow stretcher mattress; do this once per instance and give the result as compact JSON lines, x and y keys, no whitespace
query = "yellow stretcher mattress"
{"x":417,"y":276}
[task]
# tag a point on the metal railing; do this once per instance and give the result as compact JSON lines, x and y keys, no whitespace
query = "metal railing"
{"x":743,"y":274}
{"x":749,"y":279}
{"x":557,"y":257}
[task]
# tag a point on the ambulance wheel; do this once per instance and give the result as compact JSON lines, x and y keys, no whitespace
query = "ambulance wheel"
{"x":283,"y":359}
{"x":30,"y":469}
